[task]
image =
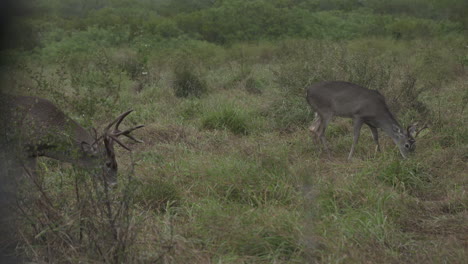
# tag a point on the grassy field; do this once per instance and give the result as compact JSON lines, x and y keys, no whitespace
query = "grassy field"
{"x":230,"y":173}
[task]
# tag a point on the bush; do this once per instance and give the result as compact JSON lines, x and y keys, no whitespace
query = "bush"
{"x":129,"y":61}
{"x":187,"y":83}
{"x":74,"y":217}
{"x":408,"y":28}
{"x":58,"y":45}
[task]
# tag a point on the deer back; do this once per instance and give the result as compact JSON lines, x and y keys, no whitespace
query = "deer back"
{"x":346,"y":99}
{"x":44,"y":130}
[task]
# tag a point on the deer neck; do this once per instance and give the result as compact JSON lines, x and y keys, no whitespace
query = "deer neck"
{"x":388,"y":125}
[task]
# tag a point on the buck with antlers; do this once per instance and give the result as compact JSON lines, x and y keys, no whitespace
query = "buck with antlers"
{"x":364,"y":106}
{"x":41,"y":129}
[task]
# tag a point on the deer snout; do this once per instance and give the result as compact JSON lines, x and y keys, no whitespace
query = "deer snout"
{"x":407,"y":148}
{"x":403,"y":154}
{"x":112,"y":184}
{"x":111,"y":176}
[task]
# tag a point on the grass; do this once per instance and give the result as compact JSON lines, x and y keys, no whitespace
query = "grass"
{"x":233,"y":176}
{"x":227,"y":118}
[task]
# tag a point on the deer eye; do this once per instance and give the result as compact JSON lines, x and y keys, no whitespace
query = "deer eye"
{"x":407,"y":145}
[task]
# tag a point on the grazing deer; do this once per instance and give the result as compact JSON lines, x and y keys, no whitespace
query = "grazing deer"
{"x":41,"y":129}
{"x":364,"y":106}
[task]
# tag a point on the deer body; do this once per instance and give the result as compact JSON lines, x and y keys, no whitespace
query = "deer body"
{"x":41,"y":129}
{"x":364,"y":106}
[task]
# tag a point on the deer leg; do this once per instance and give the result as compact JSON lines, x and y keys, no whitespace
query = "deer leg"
{"x":315,"y":126}
{"x":29,"y":168}
{"x":26,"y":182}
{"x":321,"y":131}
{"x":375,"y":135}
{"x":357,"y":130}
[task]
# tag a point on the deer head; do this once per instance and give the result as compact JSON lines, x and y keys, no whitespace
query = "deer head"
{"x":103,"y":147}
{"x":406,"y":139}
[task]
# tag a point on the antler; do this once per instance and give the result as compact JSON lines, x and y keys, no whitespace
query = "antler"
{"x":413,"y":130}
{"x":116,"y":133}
{"x":127,"y":133}
{"x":118,"y":120}
{"x":423,"y":127}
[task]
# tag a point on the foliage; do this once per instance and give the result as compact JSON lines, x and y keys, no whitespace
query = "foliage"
{"x":92,"y":221}
{"x":187,"y":83}
{"x":240,"y":20}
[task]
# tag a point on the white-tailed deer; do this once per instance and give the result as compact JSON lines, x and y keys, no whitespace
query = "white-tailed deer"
{"x":364,"y":106}
{"x":41,"y":129}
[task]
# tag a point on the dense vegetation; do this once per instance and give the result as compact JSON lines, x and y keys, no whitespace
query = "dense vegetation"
{"x":228,"y":172}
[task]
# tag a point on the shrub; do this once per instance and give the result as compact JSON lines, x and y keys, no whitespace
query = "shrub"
{"x":73,"y":217}
{"x":168,"y":29}
{"x":408,"y":28}
{"x":79,"y":44}
{"x":187,"y":83}
{"x":129,"y":61}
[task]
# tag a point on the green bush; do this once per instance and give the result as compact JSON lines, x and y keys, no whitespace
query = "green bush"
{"x":410,"y":27}
{"x":187,"y":83}
{"x":165,"y":28}
{"x":58,"y":45}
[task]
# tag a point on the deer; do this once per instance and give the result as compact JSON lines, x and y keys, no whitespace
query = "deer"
{"x":364,"y":106}
{"x":40,"y":128}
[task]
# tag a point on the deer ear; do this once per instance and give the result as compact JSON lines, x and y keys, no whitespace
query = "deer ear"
{"x":416,"y":132}
{"x":411,"y":130}
{"x":396,"y":129}
{"x":88,"y":148}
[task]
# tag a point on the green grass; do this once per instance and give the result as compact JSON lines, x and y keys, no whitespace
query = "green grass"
{"x":234,"y":176}
{"x":229,"y":118}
